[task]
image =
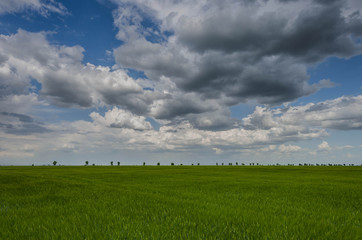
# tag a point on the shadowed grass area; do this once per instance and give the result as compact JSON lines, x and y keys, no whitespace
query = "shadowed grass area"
{"x":180,"y":202}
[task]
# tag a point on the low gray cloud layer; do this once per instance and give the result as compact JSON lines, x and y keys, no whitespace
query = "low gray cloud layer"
{"x":20,"y":124}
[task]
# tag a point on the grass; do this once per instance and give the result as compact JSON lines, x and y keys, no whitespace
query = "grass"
{"x":180,"y":202}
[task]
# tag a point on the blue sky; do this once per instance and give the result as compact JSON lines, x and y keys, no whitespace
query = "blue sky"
{"x":178,"y":81}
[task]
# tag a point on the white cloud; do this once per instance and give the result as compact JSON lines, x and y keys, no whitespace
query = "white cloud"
{"x":344,"y":147}
{"x":217,"y":150}
{"x":344,"y":113}
{"x":289,"y":148}
{"x":324,"y":146}
{"x":118,"y":118}
{"x":64,"y":79}
{"x":43,"y":7}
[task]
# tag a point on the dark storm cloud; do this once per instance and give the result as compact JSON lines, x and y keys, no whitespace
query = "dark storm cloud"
{"x":245,"y":50}
{"x":65,"y":90}
{"x":318,"y":33}
{"x":179,"y":106}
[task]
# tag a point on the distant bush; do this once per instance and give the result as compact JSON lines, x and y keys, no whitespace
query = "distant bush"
{"x":144,"y":164}
{"x":158,"y":164}
{"x":172,"y":164}
{"x":118,"y":163}
{"x":55,"y":163}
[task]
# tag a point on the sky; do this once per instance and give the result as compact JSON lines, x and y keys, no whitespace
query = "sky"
{"x":181,"y":81}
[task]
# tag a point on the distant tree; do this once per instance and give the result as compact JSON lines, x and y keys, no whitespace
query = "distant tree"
{"x":158,"y":164}
{"x":230,"y":164}
{"x":118,"y":163}
{"x":112,"y":163}
{"x":217,"y":164}
{"x":86,"y":163}
{"x":32,"y":164}
{"x":55,"y":163}
{"x":222,"y":164}
{"x":172,"y":164}
{"x":93,"y":164}
{"x":198,"y":164}
{"x":236,"y":163}
{"x":243,"y":164}
{"x":144,"y":164}
{"x":181,"y":164}
{"x":192,"y":164}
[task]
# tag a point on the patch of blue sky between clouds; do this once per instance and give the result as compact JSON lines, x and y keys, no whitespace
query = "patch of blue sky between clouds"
{"x":345,"y":73}
{"x":88,"y":24}
{"x":35,"y":86}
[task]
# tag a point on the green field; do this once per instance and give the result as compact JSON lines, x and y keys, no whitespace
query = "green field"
{"x":180,"y":202}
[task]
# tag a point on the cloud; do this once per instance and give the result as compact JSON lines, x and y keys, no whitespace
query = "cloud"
{"x":118,"y":118}
{"x":289,"y":148}
{"x":43,"y":7}
{"x":20,"y":103}
{"x":344,"y":147}
{"x":263,"y":130}
{"x":65,"y":81}
{"x":344,"y":113}
{"x":20,"y":124}
{"x":324,"y":146}
{"x":217,"y":150}
{"x":237,"y":51}
{"x":197,"y":63}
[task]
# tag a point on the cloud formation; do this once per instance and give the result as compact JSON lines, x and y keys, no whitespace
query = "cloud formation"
{"x":118,"y":118}
{"x":43,"y":7}
{"x":344,"y":113}
{"x":20,"y":124}
{"x":65,"y":81}
{"x":237,"y":51}
{"x":199,"y":58}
